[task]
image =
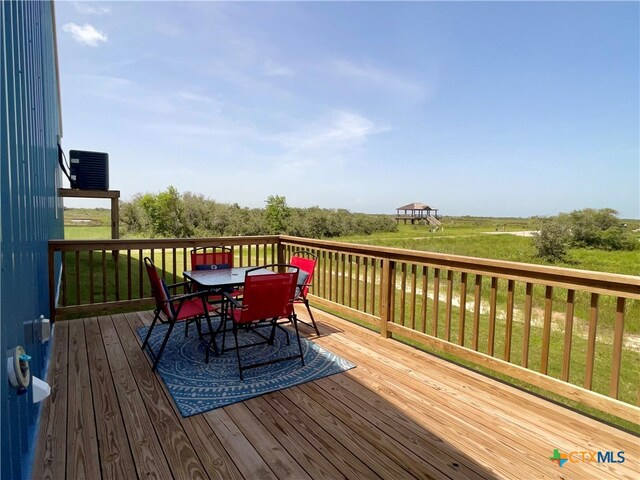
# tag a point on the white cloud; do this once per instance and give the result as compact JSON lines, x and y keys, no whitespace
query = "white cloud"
{"x":340,"y":130}
{"x":272,"y":69}
{"x":379,"y":78}
{"x":196,"y":97}
{"x":91,"y":10}
{"x":86,"y":34}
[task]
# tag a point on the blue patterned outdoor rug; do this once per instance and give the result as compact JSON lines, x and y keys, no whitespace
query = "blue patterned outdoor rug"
{"x":197,"y":387}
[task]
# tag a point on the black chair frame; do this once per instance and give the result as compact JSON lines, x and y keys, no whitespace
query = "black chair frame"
{"x":275,"y":322}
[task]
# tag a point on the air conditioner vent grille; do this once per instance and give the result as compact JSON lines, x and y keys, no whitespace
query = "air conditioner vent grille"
{"x":89,"y":170}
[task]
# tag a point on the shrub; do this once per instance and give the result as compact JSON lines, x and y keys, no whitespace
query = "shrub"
{"x":552,"y":240}
{"x":588,"y":228}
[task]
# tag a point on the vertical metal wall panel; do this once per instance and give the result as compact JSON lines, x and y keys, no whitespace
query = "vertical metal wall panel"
{"x":30,"y":210}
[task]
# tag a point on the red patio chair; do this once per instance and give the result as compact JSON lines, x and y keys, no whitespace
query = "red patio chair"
{"x":173,"y":309}
{"x":267,"y":298}
{"x":206,"y":258}
{"x":306,"y":262}
{"x":211,"y":257}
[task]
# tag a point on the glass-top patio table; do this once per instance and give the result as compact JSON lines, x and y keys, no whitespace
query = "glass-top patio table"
{"x":222,"y":278}
{"x":218,"y":280}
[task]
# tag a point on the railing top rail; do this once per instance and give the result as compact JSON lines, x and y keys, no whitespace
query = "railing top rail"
{"x":134,"y":244}
{"x":599,"y":282}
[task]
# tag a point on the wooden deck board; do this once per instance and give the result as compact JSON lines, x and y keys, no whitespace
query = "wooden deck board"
{"x":51,"y":452}
{"x":400,"y":413}
{"x":82,"y":446}
{"x":149,"y":458}
{"x":116,"y":460}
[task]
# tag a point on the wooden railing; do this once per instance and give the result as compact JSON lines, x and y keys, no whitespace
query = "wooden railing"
{"x":558,"y":329}
{"x":562,"y":330}
{"x":102,"y":275}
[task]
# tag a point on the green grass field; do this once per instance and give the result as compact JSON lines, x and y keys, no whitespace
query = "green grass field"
{"x":489,"y":238}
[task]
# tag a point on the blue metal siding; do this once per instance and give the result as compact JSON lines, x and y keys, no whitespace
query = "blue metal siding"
{"x":31,"y":212}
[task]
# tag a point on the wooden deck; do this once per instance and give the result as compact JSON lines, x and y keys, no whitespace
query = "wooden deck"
{"x":399,"y":414}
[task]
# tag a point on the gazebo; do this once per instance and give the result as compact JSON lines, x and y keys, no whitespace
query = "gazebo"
{"x":418,"y":213}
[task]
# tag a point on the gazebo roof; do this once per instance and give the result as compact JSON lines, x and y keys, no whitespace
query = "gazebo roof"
{"x":416,"y":206}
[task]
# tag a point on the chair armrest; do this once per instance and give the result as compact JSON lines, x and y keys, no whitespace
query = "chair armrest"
{"x":188,"y":296}
{"x":232,"y":300}
{"x":181,"y":284}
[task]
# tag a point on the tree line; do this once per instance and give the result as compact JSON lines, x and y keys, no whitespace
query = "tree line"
{"x":170,"y":214}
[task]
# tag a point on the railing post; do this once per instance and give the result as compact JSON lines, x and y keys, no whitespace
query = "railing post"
{"x":281,"y":251}
{"x":386,"y":285}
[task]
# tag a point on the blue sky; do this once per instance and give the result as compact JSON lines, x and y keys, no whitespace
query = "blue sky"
{"x":489,"y":109}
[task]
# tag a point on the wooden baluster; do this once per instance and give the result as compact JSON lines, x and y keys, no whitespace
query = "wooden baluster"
{"x":447,"y":312}
{"x":184,"y":260}
{"x":365,"y":262}
{"x":140,"y":273}
{"x":175,"y":265}
{"x":350,"y":281}
{"x":91,"y":295}
{"x":526,"y":332}
{"x":321,"y":276}
{"x":374,"y":264}
{"x":436,"y":300}
{"x":591,"y":341}
{"x":77,"y":268}
{"x":425,"y":296}
{"x":394,"y":281}
{"x":128,"y":274}
{"x":618,"y":337}
{"x":386,"y":288}
{"x":164,"y":261}
{"x":463,"y":307}
{"x":509,"y":320}
{"x":493,"y":295}
{"x":104,"y":275}
{"x":358,"y":282}
{"x":568,"y":335}
{"x":403,"y":292}
{"x":546,"y":329}
{"x":412,"y":311}
{"x":477,"y":310}
{"x":342,"y":280}
{"x":116,"y":272}
{"x":318,"y":276}
{"x":330,"y":275}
